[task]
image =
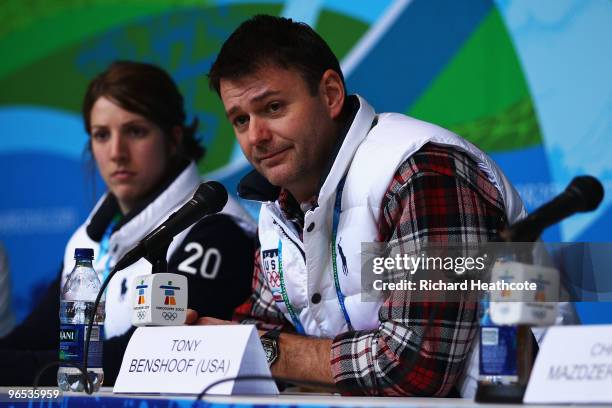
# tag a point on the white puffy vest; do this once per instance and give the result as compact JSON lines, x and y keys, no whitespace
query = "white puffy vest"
{"x":369,"y":157}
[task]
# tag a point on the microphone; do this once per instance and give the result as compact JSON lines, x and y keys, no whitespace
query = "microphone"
{"x":510,"y":313}
{"x":208,"y":199}
{"x":583,"y":194}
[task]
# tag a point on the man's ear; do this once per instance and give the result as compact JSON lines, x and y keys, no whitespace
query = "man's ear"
{"x":331,"y":89}
{"x":176,"y":139}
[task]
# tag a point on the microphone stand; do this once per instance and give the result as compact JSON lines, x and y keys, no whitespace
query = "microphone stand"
{"x":157,"y":257}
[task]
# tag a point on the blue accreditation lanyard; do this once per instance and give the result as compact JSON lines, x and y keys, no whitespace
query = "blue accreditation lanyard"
{"x":340,"y":295}
{"x":294,"y":318}
{"x":105,"y":243}
{"x":335,"y":222}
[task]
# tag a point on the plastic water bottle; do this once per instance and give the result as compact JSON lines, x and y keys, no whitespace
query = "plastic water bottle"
{"x":506,"y":357}
{"x":76,"y":307}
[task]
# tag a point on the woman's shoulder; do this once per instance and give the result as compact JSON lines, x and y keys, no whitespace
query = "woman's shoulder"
{"x":221,"y":227}
{"x":217,"y":246}
{"x":222,"y":234}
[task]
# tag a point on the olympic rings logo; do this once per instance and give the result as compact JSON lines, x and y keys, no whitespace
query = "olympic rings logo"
{"x":169,"y":315}
{"x":140,"y":315}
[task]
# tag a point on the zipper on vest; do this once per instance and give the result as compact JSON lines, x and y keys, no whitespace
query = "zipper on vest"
{"x":291,"y":239}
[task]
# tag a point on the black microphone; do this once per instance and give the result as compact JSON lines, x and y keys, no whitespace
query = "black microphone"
{"x":583,"y":194}
{"x":208,"y":199}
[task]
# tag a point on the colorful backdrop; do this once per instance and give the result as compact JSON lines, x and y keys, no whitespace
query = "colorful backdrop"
{"x":527,"y":81}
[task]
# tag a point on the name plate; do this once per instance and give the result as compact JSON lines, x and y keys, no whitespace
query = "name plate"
{"x":187,"y":359}
{"x":574,"y":365}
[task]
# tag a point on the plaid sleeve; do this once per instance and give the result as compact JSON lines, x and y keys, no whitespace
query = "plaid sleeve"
{"x":260,"y":308}
{"x":420,"y":348}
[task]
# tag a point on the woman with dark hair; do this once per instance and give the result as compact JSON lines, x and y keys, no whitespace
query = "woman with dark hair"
{"x":146,"y":155}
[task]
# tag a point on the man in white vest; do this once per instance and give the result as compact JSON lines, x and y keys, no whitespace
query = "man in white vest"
{"x":331,"y":174}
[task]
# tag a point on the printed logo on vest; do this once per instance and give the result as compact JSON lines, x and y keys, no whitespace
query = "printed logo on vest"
{"x":271,"y":268}
{"x":343,"y":258}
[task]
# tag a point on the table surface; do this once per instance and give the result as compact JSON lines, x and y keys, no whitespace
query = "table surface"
{"x":106,"y":398}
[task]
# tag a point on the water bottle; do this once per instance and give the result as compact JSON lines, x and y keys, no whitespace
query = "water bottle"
{"x":506,"y":357}
{"x":76,"y":308}
{"x":498,"y":350}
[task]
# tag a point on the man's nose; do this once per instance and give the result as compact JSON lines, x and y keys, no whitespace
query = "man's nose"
{"x":259,"y":132}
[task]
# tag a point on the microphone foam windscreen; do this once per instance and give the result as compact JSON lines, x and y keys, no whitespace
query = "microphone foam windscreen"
{"x":213,"y":195}
{"x":589,"y":190}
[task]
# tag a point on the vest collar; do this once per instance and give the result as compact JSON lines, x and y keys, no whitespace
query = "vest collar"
{"x":177,"y":192}
{"x":357,"y":132}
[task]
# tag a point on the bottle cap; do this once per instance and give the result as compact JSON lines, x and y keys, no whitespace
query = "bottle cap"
{"x":83,"y":253}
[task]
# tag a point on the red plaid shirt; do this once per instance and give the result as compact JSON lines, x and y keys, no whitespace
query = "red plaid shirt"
{"x":437,"y":195}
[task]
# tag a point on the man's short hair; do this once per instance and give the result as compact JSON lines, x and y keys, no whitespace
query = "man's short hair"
{"x":267,"y":40}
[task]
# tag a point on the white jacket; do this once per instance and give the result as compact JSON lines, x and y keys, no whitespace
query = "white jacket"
{"x":119,"y":293}
{"x":373,"y":149}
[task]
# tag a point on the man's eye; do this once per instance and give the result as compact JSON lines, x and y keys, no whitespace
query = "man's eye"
{"x":240,"y":121}
{"x":274,"y":107}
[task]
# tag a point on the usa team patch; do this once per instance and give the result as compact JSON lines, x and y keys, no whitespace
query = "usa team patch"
{"x":271,"y":269}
